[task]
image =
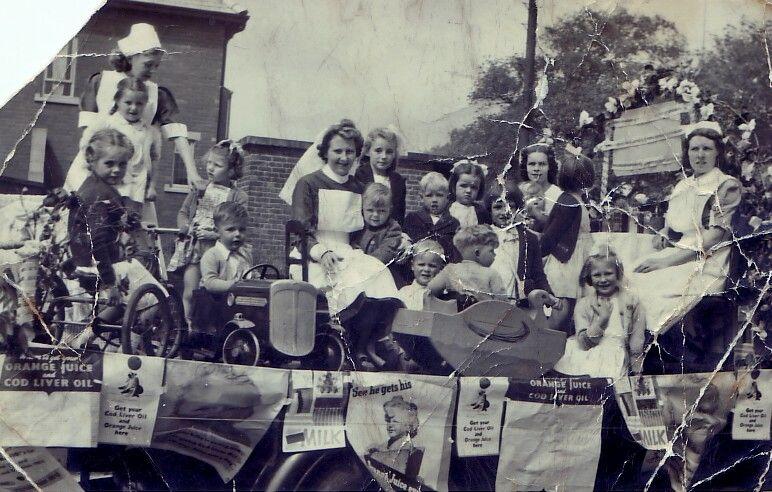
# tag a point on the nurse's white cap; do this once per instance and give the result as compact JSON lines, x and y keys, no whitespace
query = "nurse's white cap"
{"x":142,"y":37}
{"x":707,"y":125}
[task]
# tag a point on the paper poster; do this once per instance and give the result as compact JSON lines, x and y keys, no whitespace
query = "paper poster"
{"x":50,"y":397}
{"x":753,"y":409}
{"x":315,"y":418}
{"x":478,"y":418}
{"x":131,"y":389}
{"x":217,"y":413}
{"x":553,"y":429}
{"x":655,"y":407}
{"x":28,"y":469}
{"x":399,"y":425}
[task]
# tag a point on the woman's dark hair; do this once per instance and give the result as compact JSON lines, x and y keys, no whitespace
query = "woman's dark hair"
{"x":120,"y":62}
{"x":345,"y":129}
{"x":512,"y":195}
{"x":387,"y":135}
{"x":713,"y":135}
{"x":128,"y":84}
{"x":233,"y":155}
{"x":576,"y":174}
{"x":552,"y":171}
{"x":466,"y":167}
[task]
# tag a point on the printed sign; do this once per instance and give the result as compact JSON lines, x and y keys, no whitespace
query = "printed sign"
{"x":478,"y":420}
{"x":217,"y":413}
{"x":26,"y":469}
{"x":753,"y":409}
{"x":60,"y":391}
{"x":315,"y":418}
{"x":556,"y":424}
{"x":399,"y":425}
{"x":131,"y":390}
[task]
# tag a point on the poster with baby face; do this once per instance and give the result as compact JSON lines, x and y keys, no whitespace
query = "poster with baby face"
{"x":217,"y":413}
{"x":399,"y":425}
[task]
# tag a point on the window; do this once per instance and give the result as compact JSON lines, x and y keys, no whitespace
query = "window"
{"x":59,"y":77}
{"x":179,"y":175}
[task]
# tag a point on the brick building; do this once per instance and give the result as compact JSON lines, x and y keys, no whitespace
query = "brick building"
{"x":195,"y":32}
{"x":268,"y":164}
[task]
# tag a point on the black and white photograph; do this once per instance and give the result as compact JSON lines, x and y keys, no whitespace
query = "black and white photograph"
{"x":398,"y":245}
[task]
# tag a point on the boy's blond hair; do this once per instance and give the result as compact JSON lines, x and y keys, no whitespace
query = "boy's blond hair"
{"x":475,"y":236}
{"x":377,"y":194}
{"x":434,"y":181}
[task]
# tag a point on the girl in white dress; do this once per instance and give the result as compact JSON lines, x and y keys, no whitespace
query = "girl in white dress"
{"x":138,"y":185}
{"x":690,"y":264}
{"x":610,"y":323}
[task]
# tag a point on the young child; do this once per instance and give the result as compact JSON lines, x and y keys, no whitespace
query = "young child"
{"x":434,"y":220}
{"x":126,"y":116}
{"x":428,"y":260}
{"x":518,"y":256}
{"x":223,"y":264}
{"x":466,"y":188}
{"x":610,"y":323}
{"x":224,"y":164}
{"x":378,"y":163}
{"x":97,"y":222}
{"x":533,"y":202}
{"x":474,"y":275}
{"x":382,"y":235}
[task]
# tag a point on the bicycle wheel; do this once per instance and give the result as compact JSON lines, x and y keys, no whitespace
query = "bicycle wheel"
{"x":179,"y":329}
{"x":147,"y":325}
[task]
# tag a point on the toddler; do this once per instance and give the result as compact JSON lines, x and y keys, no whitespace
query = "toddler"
{"x":382,"y":235}
{"x":126,"y":116}
{"x":610,"y":323}
{"x":466,"y":188}
{"x":434,"y":221}
{"x":224,"y":164}
{"x":473,"y":276}
{"x":223,"y":264}
{"x":533,"y":202}
{"x":428,"y":260}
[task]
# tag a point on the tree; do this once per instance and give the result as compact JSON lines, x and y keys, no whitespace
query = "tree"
{"x":592,"y":54}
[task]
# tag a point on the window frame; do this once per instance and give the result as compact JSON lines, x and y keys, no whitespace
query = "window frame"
{"x":70,"y":52}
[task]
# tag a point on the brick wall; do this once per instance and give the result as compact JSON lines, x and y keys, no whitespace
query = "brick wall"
{"x":268,"y":164}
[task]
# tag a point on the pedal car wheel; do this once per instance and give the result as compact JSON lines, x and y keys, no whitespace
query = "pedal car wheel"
{"x":147,"y":325}
{"x":241,"y":347}
{"x":179,"y":328}
{"x":329,"y":353}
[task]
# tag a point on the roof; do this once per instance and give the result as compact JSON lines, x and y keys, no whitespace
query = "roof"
{"x":212,"y":6}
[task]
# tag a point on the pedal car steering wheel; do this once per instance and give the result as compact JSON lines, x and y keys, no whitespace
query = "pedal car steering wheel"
{"x":265,"y":271}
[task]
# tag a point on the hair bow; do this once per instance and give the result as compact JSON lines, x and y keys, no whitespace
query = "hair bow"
{"x":482,"y":167}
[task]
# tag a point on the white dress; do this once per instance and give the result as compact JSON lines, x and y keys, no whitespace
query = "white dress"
{"x":337,"y":209}
{"x":669,"y":293}
{"x":608,"y":359}
{"x":564,"y":277}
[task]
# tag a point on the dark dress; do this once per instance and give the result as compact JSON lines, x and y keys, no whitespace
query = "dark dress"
{"x":419,"y":225}
{"x":94,"y":226}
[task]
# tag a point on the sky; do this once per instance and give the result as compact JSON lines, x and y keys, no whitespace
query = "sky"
{"x":301,"y":65}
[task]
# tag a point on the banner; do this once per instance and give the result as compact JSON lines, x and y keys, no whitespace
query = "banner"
{"x":217,"y":413}
{"x":399,"y":425}
{"x":315,"y":418}
{"x":553,"y":427}
{"x":50,"y":397}
{"x":27,"y":469}
{"x":478,"y":419}
{"x":695,"y":406}
{"x":131,"y":389}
